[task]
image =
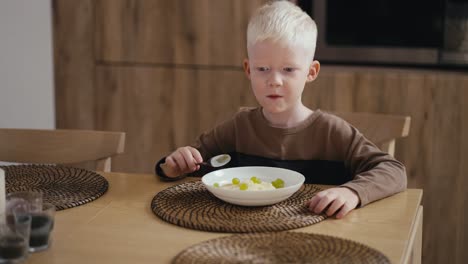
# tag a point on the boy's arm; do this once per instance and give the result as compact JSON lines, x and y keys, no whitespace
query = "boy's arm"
{"x":219,"y":140}
{"x":376,"y":174}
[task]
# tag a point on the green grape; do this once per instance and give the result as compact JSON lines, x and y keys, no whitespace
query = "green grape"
{"x":278,"y":183}
{"x":255,"y":180}
{"x":243,"y":186}
{"x":235,"y":181}
{"x":216,"y":184}
{"x":274,"y":184}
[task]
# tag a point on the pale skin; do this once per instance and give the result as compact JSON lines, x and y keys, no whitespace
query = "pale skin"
{"x":278,"y":73}
{"x":182,"y":161}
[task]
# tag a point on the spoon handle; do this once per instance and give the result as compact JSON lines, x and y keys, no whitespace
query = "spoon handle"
{"x":204,"y":164}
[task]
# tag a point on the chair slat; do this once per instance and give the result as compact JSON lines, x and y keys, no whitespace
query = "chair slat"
{"x":59,"y":146}
{"x":381,"y":129}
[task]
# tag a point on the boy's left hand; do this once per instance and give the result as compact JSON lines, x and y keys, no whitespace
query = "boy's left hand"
{"x":338,"y":199}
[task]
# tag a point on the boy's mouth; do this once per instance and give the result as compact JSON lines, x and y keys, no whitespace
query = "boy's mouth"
{"x":274,"y":96}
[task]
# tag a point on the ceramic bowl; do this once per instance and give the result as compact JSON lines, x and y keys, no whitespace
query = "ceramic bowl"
{"x":292,"y":182}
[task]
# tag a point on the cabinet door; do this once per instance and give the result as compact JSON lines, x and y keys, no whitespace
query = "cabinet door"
{"x":161,"y":109}
{"x":202,"y":32}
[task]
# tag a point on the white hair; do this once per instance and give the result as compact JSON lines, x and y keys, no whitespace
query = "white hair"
{"x":284,"y":22}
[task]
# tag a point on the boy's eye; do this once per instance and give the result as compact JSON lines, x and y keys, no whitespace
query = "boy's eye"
{"x":262,"y":69}
{"x":288,"y":69}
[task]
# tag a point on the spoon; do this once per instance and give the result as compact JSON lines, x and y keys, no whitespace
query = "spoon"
{"x":217,"y":161}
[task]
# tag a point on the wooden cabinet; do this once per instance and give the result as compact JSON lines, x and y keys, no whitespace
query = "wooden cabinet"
{"x":164,"y":71}
{"x":202,"y":32}
{"x":436,"y":151}
{"x":161,"y":109}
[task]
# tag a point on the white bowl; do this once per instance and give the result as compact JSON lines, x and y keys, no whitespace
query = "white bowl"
{"x":292,"y":182}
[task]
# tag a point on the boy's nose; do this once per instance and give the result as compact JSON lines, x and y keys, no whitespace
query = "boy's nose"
{"x":274,"y":80}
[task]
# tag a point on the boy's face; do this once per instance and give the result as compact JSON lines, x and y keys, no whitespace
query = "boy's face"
{"x":278,"y":73}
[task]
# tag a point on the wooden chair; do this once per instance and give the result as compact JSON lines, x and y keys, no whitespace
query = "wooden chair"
{"x":381,"y":129}
{"x":61,"y":146}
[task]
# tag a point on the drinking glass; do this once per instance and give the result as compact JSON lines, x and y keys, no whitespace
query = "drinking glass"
{"x":15,"y":227}
{"x":42,"y":223}
{"x":31,"y":201}
{"x":41,"y":214}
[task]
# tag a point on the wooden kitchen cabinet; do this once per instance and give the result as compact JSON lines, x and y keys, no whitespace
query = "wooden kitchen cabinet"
{"x":201,"y":32}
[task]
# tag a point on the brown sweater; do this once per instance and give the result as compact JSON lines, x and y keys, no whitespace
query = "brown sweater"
{"x":324,"y":147}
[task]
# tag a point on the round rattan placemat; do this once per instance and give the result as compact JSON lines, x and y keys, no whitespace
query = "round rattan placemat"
{"x":191,"y":205}
{"x":280,"y":247}
{"x":64,"y":187}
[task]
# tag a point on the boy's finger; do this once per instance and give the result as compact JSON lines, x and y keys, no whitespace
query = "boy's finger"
{"x":196,"y":155}
{"x":313,"y":202}
{"x":170,"y":164}
{"x":324,"y":202}
{"x":180,"y":161}
{"x":316,"y":199}
{"x":345,"y":209}
{"x":337,"y":204}
{"x":185,"y":152}
{"x":170,"y":167}
{"x":188,"y":158}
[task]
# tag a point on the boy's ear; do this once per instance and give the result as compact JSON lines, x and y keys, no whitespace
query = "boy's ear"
{"x":314,"y":70}
{"x":247,"y":68}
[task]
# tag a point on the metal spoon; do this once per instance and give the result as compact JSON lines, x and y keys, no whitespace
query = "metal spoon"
{"x":217,"y":161}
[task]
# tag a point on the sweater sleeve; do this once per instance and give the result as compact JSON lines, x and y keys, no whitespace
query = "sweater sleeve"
{"x":376,"y":174}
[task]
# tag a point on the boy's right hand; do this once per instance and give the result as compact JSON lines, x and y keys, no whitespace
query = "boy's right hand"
{"x":183,"y":160}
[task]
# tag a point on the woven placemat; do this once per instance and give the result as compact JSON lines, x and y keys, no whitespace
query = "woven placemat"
{"x":191,"y":205}
{"x":64,"y":187}
{"x":280,"y":247}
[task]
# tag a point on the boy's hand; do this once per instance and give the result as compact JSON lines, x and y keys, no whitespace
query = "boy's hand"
{"x":330,"y":201}
{"x":183,"y":160}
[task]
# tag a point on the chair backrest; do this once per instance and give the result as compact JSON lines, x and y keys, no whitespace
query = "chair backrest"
{"x":381,"y":129}
{"x":61,"y":146}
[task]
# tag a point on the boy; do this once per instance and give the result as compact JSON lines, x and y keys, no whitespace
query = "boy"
{"x":283,"y":132}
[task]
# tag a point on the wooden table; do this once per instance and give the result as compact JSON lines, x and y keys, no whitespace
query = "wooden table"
{"x":120,"y":227}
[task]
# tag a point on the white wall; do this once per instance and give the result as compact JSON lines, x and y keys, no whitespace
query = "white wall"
{"x":26,"y":71}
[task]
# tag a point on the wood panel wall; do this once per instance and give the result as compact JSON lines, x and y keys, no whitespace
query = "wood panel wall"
{"x":164,"y":71}
{"x":74,"y":63}
{"x":161,"y":109}
{"x":201,"y":32}
{"x":436,"y":151}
